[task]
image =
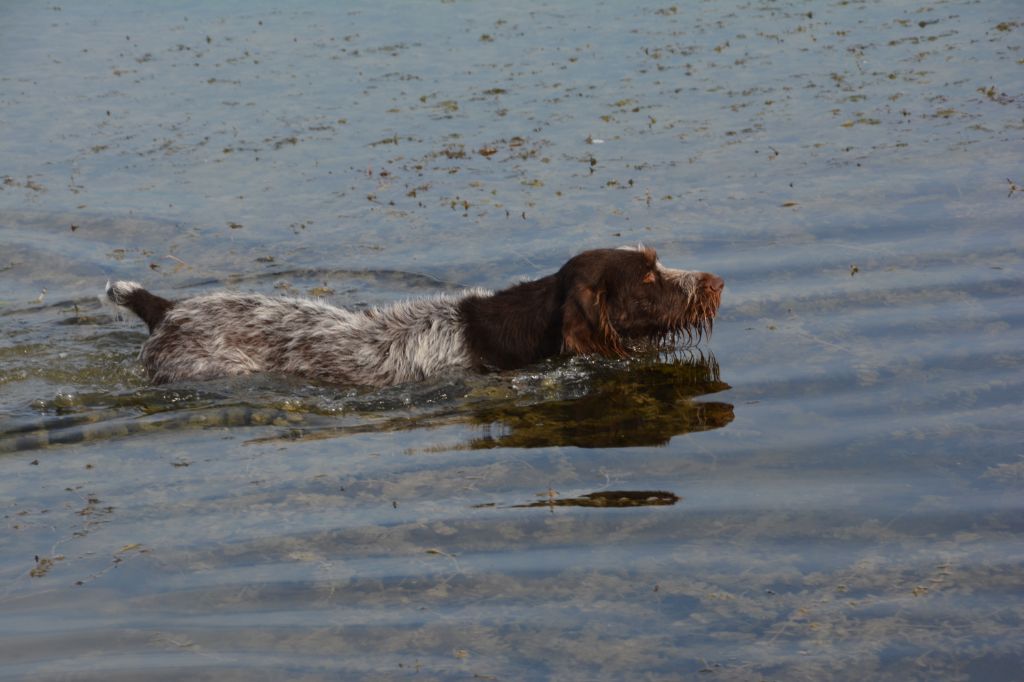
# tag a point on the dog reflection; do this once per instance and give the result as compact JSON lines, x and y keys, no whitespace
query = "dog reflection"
{"x":642,"y":406}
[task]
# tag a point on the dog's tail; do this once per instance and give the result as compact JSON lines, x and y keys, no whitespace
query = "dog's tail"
{"x":131,"y":296}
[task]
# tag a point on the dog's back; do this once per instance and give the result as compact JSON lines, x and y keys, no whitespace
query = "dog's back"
{"x":229,"y":334}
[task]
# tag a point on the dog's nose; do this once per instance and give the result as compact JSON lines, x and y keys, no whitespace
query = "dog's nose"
{"x":714,"y":283}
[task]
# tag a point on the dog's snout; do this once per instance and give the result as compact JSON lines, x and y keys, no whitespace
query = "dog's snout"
{"x":713,"y":283}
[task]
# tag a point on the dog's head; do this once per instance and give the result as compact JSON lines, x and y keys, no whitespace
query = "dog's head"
{"x":615,"y":295}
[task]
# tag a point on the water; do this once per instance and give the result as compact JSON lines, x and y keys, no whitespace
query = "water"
{"x":830,"y":488}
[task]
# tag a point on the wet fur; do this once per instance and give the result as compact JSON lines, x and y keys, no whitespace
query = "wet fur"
{"x":596,"y":303}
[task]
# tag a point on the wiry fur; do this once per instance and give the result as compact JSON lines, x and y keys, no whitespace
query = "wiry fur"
{"x":227,"y":334}
{"x":596,"y":303}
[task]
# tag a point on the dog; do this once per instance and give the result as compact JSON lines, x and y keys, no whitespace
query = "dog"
{"x":599,"y":302}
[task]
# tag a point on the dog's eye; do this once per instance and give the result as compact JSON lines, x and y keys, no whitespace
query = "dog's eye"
{"x":650,"y":278}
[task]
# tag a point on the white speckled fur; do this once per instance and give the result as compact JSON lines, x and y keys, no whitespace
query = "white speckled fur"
{"x":225,"y":334}
{"x":114,"y":295}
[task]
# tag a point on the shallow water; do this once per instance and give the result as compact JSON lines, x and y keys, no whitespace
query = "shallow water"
{"x":830,"y":488}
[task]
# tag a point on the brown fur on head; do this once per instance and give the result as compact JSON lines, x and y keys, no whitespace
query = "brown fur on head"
{"x":612,"y":295}
{"x":586,"y":327}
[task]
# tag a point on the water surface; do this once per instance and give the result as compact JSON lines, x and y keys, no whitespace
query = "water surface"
{"x":830,"y":488}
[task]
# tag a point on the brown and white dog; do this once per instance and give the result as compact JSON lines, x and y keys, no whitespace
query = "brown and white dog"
{"x":597,"y":302}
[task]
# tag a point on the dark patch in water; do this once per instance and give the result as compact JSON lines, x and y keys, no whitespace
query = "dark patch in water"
{"x":609,"y":498}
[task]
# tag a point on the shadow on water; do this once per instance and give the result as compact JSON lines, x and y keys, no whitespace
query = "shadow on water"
{"x":582,"y":403}
{"x":607,"y":499}
{"x":647,"y":405}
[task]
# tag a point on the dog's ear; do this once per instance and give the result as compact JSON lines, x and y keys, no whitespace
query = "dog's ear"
{"x":585,"y":324}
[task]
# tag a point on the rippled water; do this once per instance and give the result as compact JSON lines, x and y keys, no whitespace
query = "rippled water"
{"x":830,"y":488}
